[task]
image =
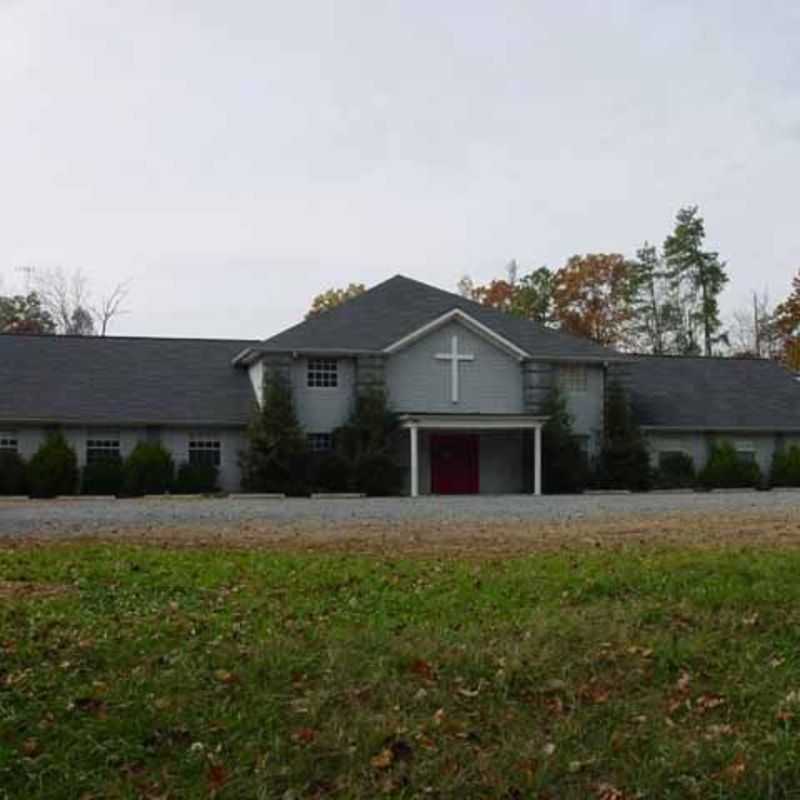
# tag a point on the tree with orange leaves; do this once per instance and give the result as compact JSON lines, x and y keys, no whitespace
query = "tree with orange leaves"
{"x":593,"y":297}
{"x":334,"y":297}
{"x":787,"y":323}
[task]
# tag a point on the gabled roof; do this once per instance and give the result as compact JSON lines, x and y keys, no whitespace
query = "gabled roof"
{"x":122,"y":380}
{"x":399,"y":306}
{"x":713,"y":393}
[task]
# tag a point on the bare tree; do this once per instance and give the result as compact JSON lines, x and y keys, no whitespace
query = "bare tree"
{"x":753,"y":331}
{"x":67,"y":297}
{"x":110,"y":306}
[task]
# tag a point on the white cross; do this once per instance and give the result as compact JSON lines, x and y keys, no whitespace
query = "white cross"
{"x":454,"y":357}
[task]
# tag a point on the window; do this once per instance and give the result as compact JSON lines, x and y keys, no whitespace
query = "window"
{"x":320,"y":442}
{"x":8,"y":441}
{"x":102,"y":445}
{"x":572,"y":378}
{"x":746,"y":452}
{"x":323,"y":372}
{"x":205,"y":448}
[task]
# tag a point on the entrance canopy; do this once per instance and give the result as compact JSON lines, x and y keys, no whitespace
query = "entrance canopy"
{"x":472,"y":423}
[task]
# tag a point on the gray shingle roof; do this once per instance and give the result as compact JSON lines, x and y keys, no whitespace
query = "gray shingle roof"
{"x":115,"y":380}
{"x":400,"y":305}
{"x":713,"y":393}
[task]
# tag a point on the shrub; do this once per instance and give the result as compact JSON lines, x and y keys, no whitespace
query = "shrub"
{"x":196,"y":478}
{"x":367,"y":440}
{"x":675,"y":471}
{"x":786,"y":467}
{"x":624,"y":462}
{"x":378,"y":475}
{"x":565,"y":467}
{"x":277,"y":457}
{"x":726,"y":470}
{"x":53,"y":469}
{"x":332,"y":473}
{"x":104,"y":476}
{"x":149,"y":469}
{"x":13,"y":478}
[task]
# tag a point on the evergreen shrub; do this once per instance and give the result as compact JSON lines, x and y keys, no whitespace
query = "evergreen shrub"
{"x":196,"y":479}
{"x":13,"y":477}
{"x":726,"y":470}
{"x":104,"y":476}
{"x":786,"y":467}
{"x":53,"y":470}
{"x":675,"y":471}
{"x":149,"y":469}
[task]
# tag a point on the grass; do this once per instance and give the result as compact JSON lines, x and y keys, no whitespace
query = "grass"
{"x":140,"y":671}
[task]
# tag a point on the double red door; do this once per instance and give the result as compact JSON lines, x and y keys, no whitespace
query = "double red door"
{"x":455,"y":467}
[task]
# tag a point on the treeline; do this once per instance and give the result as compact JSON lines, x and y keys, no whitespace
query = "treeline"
{"x":60,"y":302}
{"x":663,"y":301}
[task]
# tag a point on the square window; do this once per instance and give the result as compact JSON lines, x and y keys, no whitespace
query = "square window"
{"x":320,"y":442}
{"x":323,"y":372}
{"x":8,"y":441}
{"x":746,"y":452}
{"x":101,"y":446}
{"x":205,"y":448}
{"x":572,"y":378}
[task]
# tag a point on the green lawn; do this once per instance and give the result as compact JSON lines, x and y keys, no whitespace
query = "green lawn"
{"x":204,"y":673}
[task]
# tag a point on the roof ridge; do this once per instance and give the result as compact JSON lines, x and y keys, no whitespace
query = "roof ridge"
{"x":80,"y":337}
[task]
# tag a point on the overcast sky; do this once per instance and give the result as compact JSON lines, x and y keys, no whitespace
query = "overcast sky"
{"x":235,"y":158}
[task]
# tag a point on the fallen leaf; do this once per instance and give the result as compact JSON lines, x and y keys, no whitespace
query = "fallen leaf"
{"x":714,"y":732}
{"x":422,"y":669}
{"x":549,"y":749}
{"x":708,"y":702}
{"x":304,"y":735}
{"x":734,"y":772}
{"x":383,"y":760}
{"x":31,"y":748}
{"x":223,"y":676}
{"x":605,"y":791}
{"x":216,"y":778}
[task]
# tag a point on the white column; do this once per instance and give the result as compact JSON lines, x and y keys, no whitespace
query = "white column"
{"x":537,"y":460}
{"x":413,"y":434}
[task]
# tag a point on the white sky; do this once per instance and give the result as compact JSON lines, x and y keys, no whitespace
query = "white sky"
{"x":235,"y":158}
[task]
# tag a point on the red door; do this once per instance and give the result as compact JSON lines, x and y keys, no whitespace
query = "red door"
{"x":454,"y":463}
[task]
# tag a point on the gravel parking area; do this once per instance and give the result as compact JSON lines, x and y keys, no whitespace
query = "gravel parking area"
{"x":71,"y":517}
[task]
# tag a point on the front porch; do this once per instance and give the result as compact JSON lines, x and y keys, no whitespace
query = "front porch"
{"x":473,"y":453}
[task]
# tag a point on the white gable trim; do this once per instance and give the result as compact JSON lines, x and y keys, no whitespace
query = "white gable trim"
{"x":469,"y":322}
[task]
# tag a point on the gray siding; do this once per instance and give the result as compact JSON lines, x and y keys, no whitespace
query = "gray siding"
{"x":175,"y":440}
{"x":587,"y":407}
{"x":501,"y":462}
{"x":418,"y":382}
{"x":698,"y":445}
{"x":323,"y":409}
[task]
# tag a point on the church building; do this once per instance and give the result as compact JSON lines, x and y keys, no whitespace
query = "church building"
{"x":468,"y":383}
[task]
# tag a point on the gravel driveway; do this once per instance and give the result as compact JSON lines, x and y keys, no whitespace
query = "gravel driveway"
{"x":76,"y":516}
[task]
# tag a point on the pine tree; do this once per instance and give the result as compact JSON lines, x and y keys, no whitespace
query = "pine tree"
{"x":698,"y":277}
{"x":276,"y":459}
{"x":624,"y":461}
{"x":565,"y":466}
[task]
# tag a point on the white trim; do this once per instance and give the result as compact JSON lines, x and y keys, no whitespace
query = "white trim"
{"x":470,"y":322}
{"x":414,"y":442}
{"x":471,"y":422}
